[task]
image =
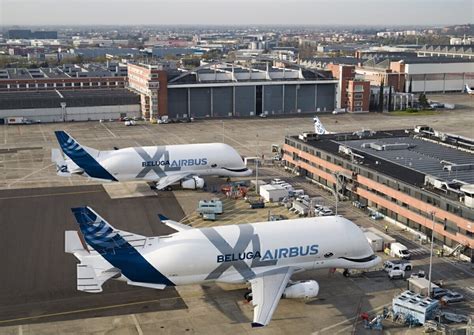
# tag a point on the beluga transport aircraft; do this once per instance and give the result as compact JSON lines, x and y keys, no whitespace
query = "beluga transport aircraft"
{"x":264,"y":255}
{"x":163,"y":165}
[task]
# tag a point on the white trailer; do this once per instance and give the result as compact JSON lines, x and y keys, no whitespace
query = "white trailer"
{"x":375,"y":241}
{"x":387,"y":239}
{"x":420,"y":285}
{"x":273,"y":193}
{"x":16,"y":120}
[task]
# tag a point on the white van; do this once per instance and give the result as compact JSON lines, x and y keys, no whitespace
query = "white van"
{"x":399,"y":250}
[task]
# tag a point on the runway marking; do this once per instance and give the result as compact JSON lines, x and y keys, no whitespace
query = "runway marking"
{"x":84,"y":310}
{"x":42,"y":133}
{"x":29,"y":175}
{"x":107,"y":128}
{"x":137,"y":325}
{"x":48,"y":195}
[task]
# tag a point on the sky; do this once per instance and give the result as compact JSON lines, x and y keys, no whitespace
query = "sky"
{"x":236,"y":12}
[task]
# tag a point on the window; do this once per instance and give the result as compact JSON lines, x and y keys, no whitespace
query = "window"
{"x":358,"y":96}
{"x":357,"y":103}
{"x":359,"y":88}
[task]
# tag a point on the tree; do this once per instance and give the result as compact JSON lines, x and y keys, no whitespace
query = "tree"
{"x":422,"y":100}
{"x":381,"y":95}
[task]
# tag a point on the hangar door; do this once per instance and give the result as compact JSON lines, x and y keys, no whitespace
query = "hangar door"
{"x":326,"y":96}
{"x":200,"y":102}
{"x":244,"y":100}
{"x":306,"y":98}
{"x":222,"y":101}
{"x":177,"y":102}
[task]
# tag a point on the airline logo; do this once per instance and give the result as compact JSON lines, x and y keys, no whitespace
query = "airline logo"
{"x":160,"y":162}
{"x":176,"y":163}
{"x":236,"y":256}
{"x":271,"y":254}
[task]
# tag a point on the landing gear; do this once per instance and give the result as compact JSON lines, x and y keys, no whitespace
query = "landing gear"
{"x":248,"y":296}
{"x":346,"y":273}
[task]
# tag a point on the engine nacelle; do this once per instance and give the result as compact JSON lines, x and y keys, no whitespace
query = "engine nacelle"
{"x":303,"y":289}
{"x":192,"y":183}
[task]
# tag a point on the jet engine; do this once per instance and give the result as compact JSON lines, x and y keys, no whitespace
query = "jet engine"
{"x":192,"y":183}
{"x":302,"y":289}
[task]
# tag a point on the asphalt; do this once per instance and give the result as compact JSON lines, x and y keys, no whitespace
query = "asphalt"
{"x":38,"y":279}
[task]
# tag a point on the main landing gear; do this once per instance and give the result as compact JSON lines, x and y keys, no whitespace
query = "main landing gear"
{"x":248,"y":296}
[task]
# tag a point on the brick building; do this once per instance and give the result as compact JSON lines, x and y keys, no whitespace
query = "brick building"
{"x":420,"y":182}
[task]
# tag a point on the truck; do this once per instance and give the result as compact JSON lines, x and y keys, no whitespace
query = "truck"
{"x":397,"y":264}
{"x":213,"y":206}
{"x":399,"y":250}
{"x":256,"y":203}
{"x":17,"y":120}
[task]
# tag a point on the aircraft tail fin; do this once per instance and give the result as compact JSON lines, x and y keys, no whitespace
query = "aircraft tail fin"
{"x":84,"y":157}
{"x":101,"y":236}
{"x":113,"y":253}
{"x":318,"y":126}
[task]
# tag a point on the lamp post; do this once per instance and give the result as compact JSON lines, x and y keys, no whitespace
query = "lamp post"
{"x":256,"y":167}
{"x":431,"y":252}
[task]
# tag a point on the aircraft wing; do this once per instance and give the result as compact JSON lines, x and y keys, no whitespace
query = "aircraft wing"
{"x":267,"y":289}
{"x":168,"y":180}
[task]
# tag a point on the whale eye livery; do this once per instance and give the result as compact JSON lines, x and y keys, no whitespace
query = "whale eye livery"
{"x":163,"y":165}
{"x":264,"y":255}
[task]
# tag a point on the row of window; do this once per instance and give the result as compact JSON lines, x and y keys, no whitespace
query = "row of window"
{"x":414,"y":192}
{"x":59,"y":85}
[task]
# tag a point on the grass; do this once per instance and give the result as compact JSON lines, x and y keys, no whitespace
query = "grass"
{"x":415,"y":112}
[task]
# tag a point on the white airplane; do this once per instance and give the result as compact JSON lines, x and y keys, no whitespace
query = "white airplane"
{"x":164,"y":165}
{"x":319,"y":127}
{"x":468,"y":89}
{"x":264,"y":255}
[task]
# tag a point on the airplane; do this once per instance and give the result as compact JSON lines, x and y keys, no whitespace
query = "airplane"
{"x":163,"y":165}
{"x":264,"y":255}
{"x":319,"y":127}
{"x":468,"y":89}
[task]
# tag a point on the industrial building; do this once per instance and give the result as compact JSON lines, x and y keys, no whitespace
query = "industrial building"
{"x":405,"y":72}
{"x":226,"y":90}
{"x":409,"y":177}
{"x":64,"y":77}
{"x":69,"y":105}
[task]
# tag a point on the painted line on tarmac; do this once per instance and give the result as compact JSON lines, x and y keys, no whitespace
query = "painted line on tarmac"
{"x":107,"y":128}
{"x":29,"y":175}
{"x":84,"y":310}
{"x":48,"y":195}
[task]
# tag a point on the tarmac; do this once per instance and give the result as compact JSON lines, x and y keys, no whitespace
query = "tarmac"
{"x":38,"y":282}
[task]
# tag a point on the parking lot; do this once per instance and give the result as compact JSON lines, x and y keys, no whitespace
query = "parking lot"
{"x":39,"y":284}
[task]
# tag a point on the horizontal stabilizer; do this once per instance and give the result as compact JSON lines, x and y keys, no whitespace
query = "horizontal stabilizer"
{"x":90,"y":280}
{"x":147,"y":285}
{"x":173,"y":224}
{"x":72,"y":242}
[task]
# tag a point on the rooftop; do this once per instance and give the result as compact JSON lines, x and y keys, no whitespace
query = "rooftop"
{"x":52,"y":99}
{"x":401,"y":155}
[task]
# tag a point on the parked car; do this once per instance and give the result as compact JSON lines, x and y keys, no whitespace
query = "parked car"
{"x":277,"y":217}
{"x":397,"y":264}
{"x":419,"y":274}
{"x":325,"y":212}
{"x":358,"y":204}
{"x":452,"y":297}
{"x":396,"y":274}
{"x":438,"y":292}
{"x":376,"y":216}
